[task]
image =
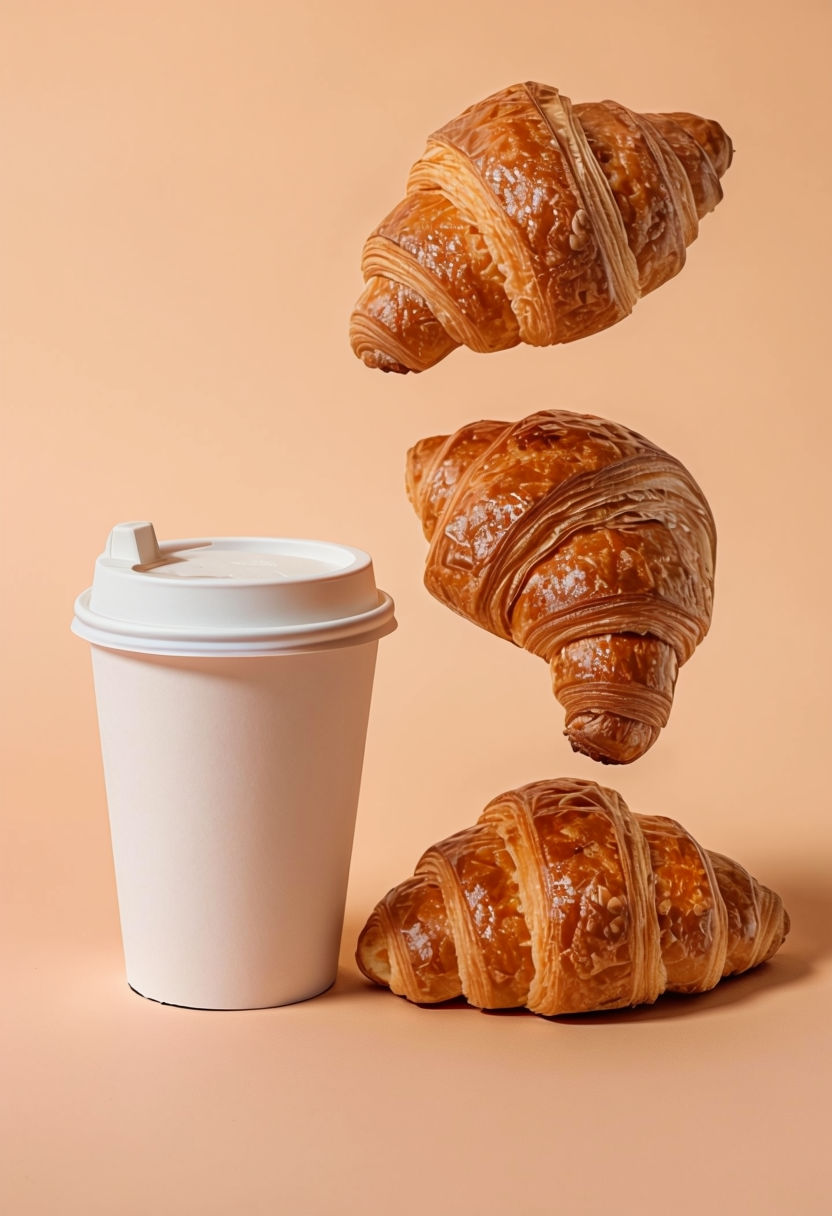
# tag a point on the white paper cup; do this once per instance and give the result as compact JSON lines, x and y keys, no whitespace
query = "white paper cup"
{"x":233,"y":713}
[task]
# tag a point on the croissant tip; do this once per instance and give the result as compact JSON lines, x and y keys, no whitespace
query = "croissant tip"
{"x":712,"y":138}
{"x":606,"y":752}
{"x":371,"y":954}
{"x":609,"y":739}
{"x":383,"y":363}
{"x":581,"y":748}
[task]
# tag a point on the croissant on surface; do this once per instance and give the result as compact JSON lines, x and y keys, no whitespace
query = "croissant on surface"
{"x":582,"y":542}
{"x":528,"y":219}
{"x":562,"y":900}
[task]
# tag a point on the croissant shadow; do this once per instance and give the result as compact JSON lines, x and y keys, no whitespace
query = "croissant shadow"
{"x":783,"y":970}
{"x":734,"y":990}
{"x":730,"y":991}
{"x":807,"y":895}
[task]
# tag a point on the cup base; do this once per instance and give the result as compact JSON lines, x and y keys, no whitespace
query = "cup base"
{"x":279,"y":1004}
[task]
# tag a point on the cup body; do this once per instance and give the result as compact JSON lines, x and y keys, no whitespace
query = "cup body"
{"x":232,"y":788}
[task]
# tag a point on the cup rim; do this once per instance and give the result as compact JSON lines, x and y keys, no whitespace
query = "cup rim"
{"x":132,"y":636}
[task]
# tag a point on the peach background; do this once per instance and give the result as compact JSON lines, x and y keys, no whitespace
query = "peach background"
{"x":187,"y":187}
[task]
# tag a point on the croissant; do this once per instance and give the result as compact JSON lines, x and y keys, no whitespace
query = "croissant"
{"x":528,"y":219}
{"x":562,"y":900}
{"x":582,"y":542}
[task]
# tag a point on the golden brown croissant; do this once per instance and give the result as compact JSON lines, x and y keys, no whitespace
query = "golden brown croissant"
{"x":582,"y":542}
{"x":528,"y":219}
{"x":562,"y":900}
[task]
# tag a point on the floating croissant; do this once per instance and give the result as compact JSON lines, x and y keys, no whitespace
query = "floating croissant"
{"x":582,"y":542}
{"x":528,"y":219}
{"x":562,"y":900}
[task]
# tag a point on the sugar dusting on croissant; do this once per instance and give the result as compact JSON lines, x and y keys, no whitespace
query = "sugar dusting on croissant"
{"x":562,"y":900}
{"x":528,"y":219}
{"x":584,"y":543}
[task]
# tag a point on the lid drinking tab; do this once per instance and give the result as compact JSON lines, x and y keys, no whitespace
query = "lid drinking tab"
{"x":134,"y":544}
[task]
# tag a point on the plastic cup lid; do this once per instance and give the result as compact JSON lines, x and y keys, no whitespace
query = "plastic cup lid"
{"x":229,"y":595}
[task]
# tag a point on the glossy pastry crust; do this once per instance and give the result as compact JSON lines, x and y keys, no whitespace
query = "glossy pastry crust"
{"x":582,"y":542}
{"x":561,"y":900}
{"x":530,"y":219}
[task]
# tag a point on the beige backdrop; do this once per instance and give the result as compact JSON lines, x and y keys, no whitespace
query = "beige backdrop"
{"x":186,"y":189}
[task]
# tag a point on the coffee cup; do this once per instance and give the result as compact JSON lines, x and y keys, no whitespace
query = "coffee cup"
{"x":233,"y":680}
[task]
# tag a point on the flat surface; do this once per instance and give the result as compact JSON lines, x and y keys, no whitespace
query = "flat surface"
{"x":187,"y":190}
